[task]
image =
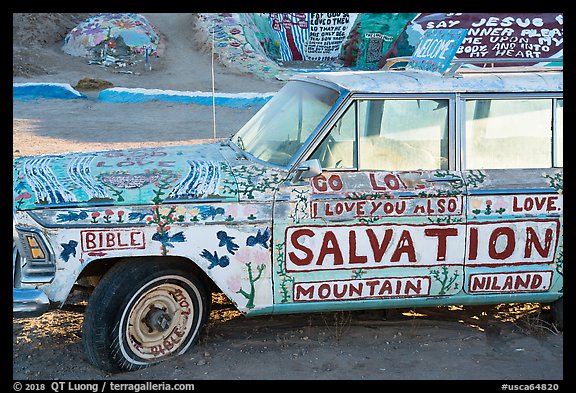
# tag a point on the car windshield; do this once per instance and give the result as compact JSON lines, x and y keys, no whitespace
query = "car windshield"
{"x":280,"y":128}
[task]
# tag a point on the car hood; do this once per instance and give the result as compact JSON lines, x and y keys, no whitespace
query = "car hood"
{"x":198,"y":172}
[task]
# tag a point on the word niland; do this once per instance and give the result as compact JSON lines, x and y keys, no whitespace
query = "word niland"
{"x":530,"y":281}
{"x":394,"y":245}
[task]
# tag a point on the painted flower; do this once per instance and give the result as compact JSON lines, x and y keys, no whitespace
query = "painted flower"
{"x":92,"y":28}
{"x":475,"y":203}
{"x":180,"y":210}
{"x":500,"y":203}
{"x":76,"y":32}
{"x":95,"y":216}
{"x":123,"y":24}
{"x":165,"y":211}
{"x":244,"y":255}
{"x":254,"y":255}
{"x":234,"y":284}
{"x":232,"y":210}
{"x":250,"y":210}
{"x":108,"y":212}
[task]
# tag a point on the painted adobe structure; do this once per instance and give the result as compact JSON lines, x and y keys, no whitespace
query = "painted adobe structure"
{"x":276,"y":45}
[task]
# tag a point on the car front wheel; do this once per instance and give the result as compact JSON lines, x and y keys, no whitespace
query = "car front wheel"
{"x":142,"y":312}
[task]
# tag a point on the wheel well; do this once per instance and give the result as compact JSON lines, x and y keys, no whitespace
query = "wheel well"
{"x":91,"y":274}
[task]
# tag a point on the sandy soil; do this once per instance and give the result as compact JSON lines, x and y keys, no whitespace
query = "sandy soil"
{"x":499,"y":343}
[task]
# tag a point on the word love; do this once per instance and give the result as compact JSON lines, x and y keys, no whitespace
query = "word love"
{"x":536,"y":204}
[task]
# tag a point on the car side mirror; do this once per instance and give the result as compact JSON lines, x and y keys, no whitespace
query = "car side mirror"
{"x":307,"y":169}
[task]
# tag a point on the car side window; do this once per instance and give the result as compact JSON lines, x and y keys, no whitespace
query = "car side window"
{"x":512,"y":133}
{"x":338,"y":149}
{"x":403,"y":134}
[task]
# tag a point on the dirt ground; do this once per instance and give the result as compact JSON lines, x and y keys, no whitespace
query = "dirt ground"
{"x":497,"y":343}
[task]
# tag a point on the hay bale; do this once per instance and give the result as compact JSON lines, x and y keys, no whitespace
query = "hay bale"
{"x":85,"y":84}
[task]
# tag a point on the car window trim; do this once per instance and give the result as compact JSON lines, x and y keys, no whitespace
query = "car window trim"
{"x":461,"y":118}
{"x":355,"y":97}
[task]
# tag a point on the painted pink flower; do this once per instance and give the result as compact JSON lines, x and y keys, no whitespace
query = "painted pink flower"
{"x":260,"y":256}
{"x":500,"y":204}
{"x":123,"y":24}
{"x":95,"y":215}
{"x":234,"y":284}
{"x":256,"y":256}
{"x":249,"y":210}
{"x":244,"y":255}
{"x":232,"y":210}
{"x":120,"y":213}
{"x":108,"y":212}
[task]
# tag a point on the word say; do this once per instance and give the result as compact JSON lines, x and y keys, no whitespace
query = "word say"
{"x":106,"y":240}
{"x":362,"y":289}
{"x":510,"y":282}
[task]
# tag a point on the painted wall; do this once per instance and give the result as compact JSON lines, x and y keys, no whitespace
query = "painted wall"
{"x":502,"y":35}
{"x":261,"y":43}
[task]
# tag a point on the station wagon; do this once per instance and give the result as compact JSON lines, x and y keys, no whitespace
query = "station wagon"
{"x":346,"y":191}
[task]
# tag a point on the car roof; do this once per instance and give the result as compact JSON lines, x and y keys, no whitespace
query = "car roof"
{"x":520,"y":80}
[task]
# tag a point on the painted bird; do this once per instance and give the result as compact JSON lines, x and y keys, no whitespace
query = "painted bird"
{"x":71,"y":216}
{"x":210,"y":211}
{"x":68,"y":248}
{"x":215,"y":260}
{"x":260,"y":238}
{"x":167,"y":240}
{"x":226,"y":240}
{"x":137,"y":215}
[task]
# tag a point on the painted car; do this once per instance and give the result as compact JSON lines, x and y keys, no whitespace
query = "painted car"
{"x":347,"y":190}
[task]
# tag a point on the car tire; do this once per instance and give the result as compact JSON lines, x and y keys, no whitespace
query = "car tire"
{"x":557,"y":308}
{"x":143,"y":312}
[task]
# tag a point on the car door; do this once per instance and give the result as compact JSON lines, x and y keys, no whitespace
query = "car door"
{"x":514,"y":176}
{"x":384,"y":223}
